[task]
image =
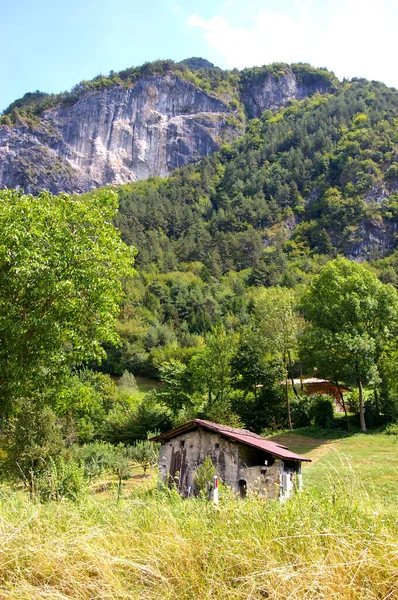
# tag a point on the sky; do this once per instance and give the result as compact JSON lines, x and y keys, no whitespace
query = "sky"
{"x":50,"y":45}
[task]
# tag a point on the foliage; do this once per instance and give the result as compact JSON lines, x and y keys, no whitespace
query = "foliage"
{"x":61,"y":261}
{"x":322,"y":412}
{"x":127,"y":382}
{"x":61,"y":480}
{"x":145,"y":453}
{"x":351,"y":315}
{"x":95,"y":458}
{"x":392,"y":429}
{"x":84,"y":402}
{"x":29,"y":440}
{"x":203,"y":477}
{"x":133,"y":424}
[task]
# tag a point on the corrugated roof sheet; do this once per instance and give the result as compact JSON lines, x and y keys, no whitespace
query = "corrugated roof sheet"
{"x":239,"y":435}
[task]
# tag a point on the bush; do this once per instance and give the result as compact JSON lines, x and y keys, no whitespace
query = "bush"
{"x":60,"y":480}
{"x":29,"y":440}
{"x":392,"y":429}
{"x":145,"y":453}
{"x":203,"y":478}
{"x":94,"y":458}
{"x":127,"y":382}
{"x":322,"y":412}
{"x":301,"y":411}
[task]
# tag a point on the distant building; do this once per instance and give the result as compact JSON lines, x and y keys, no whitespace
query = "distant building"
{"x":312,"y":386}
{"x":243,"y":460}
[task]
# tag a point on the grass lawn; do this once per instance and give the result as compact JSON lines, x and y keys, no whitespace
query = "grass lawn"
{"x":370,"y":460}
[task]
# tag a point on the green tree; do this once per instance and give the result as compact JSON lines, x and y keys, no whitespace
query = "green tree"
{"x":212,"y":375}
{"x":277,"y":317}
{"x":28,"y":441}
{"x":61,"y":263}
{"x":352,"y":316}
{"x":145,"y":453}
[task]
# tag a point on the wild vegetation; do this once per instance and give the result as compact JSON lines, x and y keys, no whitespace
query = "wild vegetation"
{"x":336,"y":539}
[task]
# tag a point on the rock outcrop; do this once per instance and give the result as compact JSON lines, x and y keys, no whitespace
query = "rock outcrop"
{"x":269,"y":92}
{"x":122,"y":134}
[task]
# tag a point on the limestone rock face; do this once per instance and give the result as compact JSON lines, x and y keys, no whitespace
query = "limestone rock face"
{"x":114,"y":136}
{"x":272,"y":92}
{"x":119,"y":135}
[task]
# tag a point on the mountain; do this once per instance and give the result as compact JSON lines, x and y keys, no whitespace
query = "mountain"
{"x":140,"y":122}
{"x":304,"y":183}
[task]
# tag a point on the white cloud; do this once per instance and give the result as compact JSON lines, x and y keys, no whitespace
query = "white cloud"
{"x":350,"y":37}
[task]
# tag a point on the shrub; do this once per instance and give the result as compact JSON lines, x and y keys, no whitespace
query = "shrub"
{"x":145,"y":453}
{"x":392,"y":429}
{"x":60,"y":480}
{"x":301,"y":411}
{"x":94,"y":458}
{"x":203,"y":478}
{"x":322,"y":412}
{"x":127,"y":382}
{"x":29,"y":440}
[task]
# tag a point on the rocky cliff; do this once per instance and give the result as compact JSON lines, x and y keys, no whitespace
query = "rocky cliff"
{"x":122,"y":134}
{"x":271,"y":91}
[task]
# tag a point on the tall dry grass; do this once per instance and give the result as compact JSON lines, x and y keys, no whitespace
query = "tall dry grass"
{"x":157,"y":546}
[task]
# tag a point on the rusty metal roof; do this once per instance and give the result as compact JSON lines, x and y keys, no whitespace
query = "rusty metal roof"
{"x":238,"y":435}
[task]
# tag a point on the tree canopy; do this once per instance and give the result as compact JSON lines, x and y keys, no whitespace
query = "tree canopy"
{"x":61,"y":264}
{"x":351,"y":316}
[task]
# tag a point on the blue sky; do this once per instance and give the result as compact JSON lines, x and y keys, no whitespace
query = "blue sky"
{"x":51,"y":45}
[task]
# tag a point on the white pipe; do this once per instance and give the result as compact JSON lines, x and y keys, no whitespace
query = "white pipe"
{"x":215,"y":489}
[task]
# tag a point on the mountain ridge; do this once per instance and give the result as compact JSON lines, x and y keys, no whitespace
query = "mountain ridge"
{"x":140,"y":122}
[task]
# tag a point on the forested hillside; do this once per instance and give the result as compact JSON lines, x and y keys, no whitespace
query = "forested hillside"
{"x":319,"y":177}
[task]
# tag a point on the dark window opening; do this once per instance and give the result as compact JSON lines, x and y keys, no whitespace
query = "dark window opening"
{"x":242,"y":488}
{"x":217,"y":446}
{"x":182,"y":443}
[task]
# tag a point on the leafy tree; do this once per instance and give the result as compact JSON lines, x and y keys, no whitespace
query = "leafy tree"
{"x":176,"y":388}
{"x":61,"y":261}
{"x":279,"y":321}
{"x":145,"y":453}
{"x":212,"y":376}
{"x":28,"y":441}
{"x":258,"y":376}
{"x":120,"y":465}
{"x":83,"y":402}
{"x":127,"y":382}
{"x":351,"y":315}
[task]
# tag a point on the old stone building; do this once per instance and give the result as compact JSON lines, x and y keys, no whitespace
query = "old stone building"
{"x":243,"y":460}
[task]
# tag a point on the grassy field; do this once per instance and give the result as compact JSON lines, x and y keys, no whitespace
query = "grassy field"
{"x":335,"y":540}
{"x":369,"y":461}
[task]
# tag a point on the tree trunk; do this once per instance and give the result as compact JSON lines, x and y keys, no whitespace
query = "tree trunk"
{"x":377,"y":407}
{"x":344,"y":406}
{"x":119,"y":489}
{"x":361,"y":406}
{"x":291,"y":377}
{"x":289,"y":416}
